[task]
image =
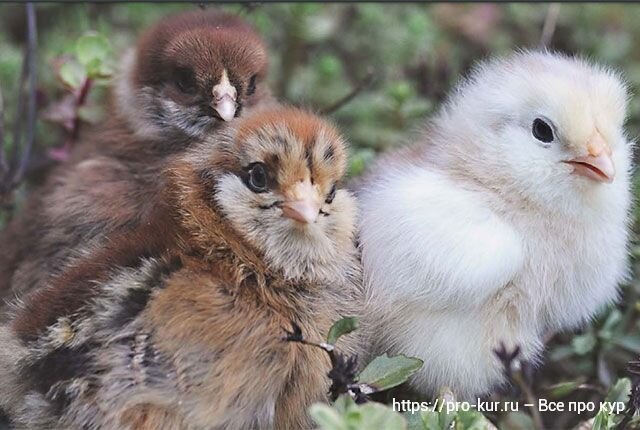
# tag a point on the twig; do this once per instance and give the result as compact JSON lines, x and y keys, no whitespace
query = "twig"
{"x":343,"y":369}
{"x":531,"y":399}
{"x":550,"y":23}
{"x":17,"y":126}
{"x":31,"y":101}
{"x":514,"y":370}
{"x":364,"y":83}
{"x":293,"y":47}
{"x":3,"y":161}
{"x":80,"y":101}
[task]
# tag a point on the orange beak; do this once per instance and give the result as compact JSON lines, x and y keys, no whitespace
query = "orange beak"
{"x":597,"y":164}
{"x":303,"y":203}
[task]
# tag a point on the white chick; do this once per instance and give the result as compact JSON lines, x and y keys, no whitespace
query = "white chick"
{"x":508,"y":220}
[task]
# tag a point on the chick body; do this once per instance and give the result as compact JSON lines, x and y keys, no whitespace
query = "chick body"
{"x":163,"y":100}
{"x":191,"y":334}
{"x":482,"y":234}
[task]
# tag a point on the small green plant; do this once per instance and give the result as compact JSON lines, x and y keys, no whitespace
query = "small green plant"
{"x":90,"y":65}
{"x":352,"y":410}
{"x":610,"y":416}
{"x":350,"y":390}
{"x":92,"y":60}
{"x":443,"y":420}
{"x":346,"y":414}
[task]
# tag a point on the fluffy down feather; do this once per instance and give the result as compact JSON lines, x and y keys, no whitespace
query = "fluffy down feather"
{"x":167,"y":96}
{"x":497,"y":228}
{"x":187,"y":332}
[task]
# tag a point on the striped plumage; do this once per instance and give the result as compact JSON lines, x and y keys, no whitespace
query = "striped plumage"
{"x":190,"y":335}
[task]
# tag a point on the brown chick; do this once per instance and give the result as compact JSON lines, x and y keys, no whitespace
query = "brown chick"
{"x":189,"y":74}
{"x":192,"y":337}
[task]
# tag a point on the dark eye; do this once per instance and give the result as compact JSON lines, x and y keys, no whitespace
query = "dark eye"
{"x":185,"y":80}
{"x":257,"y":178}
{"x":251,"y":88}
{"x":331,"y":195}
{"x":542,"y":131}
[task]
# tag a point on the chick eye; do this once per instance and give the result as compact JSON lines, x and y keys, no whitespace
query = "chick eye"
{"x":331,"y":195}
{"x":257,"y":178}
{"x":542,"y":131}
{"x":185,"y":80}
{"x":251,"y":88}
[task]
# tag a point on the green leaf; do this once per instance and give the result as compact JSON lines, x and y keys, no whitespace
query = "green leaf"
{"x":353,"y":417}
{"x":93,"y":67}
{"x":563,"y":389}
{"x":92,"y":48}
{"x":72,"y":74}
{"x":343,"y":403}
{"x":329,"y":66}
{"x":340,"y":328}
{"x":562,"y":352}
{"x":98,"y":69}
{"x":601,"y":421}
{"x":620,"y":391}
{"x":606,"y":419}
{"x":345,"y":414}
{"x":583,"y":344}
{"x":431,"y":420}
{"x":327,"y":418}
{"x":414,"y":420}
{"x":446,"y":418}
{"x":401,"y":91}
{"x":630,"y":342}
{"x":418,"y":24}
{"x":386,"y":372}
{"x":106,"y":70}
{"x":470,"y":420}
{"x":615,"y":316}
{"x":517,"y":421}
{"x":379,"y":416}
{"x":360,"y":160}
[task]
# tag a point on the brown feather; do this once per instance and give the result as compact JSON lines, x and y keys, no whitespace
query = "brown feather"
{"x":200,"y":343}
{"x":111,"y":185}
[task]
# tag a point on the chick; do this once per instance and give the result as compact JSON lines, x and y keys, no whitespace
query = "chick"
{"x":190,"y":74}
{"x":192,"y":337}
{"x":508,"y":220}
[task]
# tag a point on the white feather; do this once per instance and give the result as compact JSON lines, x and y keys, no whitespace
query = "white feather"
{"x":439,"y":228}
{"x":484,"y":235}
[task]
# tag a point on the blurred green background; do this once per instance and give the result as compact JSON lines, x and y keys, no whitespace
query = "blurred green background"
{"x":413,"y":53}
{"x":404,"y":58}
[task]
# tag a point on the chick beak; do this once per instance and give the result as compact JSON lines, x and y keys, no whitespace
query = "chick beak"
{"x":224,"y":98}
{"x":302,"y":203}
{"x":597,"y":164}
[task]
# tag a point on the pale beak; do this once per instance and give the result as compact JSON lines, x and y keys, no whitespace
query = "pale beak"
{"x":224,"y":98}
{"x":303,"y":203}
{"x":597,"y":164}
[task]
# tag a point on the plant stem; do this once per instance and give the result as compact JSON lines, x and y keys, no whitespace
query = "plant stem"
{"x":31,"y":62}
{"x":3,"y":161}
{"x":550,"y":23}
{"x":364,"y":83}
{"x":530,"y":398}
